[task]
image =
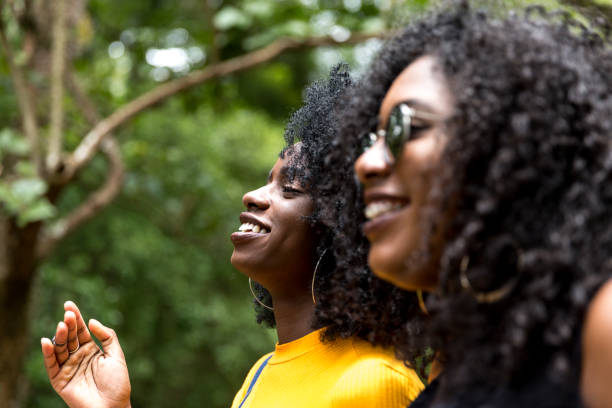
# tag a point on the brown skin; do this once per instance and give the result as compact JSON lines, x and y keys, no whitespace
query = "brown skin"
{"x":281,"y":260}
{"x":398,"y":235}
{"x":597,"y":351}
{"x":89,"y":377}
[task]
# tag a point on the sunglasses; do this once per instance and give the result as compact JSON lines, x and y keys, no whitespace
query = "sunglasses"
{"x":400,"y":128}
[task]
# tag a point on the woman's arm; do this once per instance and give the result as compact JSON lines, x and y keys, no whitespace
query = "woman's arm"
{"x":80,"y":372}
{"x":596,"y":382}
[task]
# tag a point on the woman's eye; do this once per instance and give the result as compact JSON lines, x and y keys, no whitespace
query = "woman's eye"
{"x":416,"y":128}
{"x":290,"y":190}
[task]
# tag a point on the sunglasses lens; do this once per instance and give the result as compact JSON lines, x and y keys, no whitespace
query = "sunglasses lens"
{"x":396,"y":129}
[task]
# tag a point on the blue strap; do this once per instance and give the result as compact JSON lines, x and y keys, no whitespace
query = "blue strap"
{"x":254,"y":380}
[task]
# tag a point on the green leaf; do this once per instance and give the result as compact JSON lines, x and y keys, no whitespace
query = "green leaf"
{"x":231,"y":17}
{"x":12,"y":143}
{"x":25,"y":169}
{"x":27,"y":190}
{"x":296,"y":28}
{"x":7,"y":198}
{"x":260,"y":9}
{"x":38,"y":211}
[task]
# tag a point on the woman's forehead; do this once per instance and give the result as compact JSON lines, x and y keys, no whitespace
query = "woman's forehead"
{"x":423,"y":85}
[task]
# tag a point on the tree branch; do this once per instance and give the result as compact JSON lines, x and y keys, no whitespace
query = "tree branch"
{"x":591,"y":8}
{"x":4,"y":238}
{"x":91,"y":206}
{"x":86,"y":150}
{"x":58,"y":61}
{"x":97,"y":200}
{"x":25,"y":100}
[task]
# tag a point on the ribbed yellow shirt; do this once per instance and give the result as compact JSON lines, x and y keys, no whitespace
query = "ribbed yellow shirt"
{"x":344,"y":373}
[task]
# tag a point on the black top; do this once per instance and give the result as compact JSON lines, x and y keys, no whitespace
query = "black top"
{"x":540,"y":393}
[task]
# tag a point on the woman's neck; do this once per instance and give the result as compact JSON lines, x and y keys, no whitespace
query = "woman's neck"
{"x":293,"y":316}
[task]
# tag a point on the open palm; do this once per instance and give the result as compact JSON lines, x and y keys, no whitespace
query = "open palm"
{"x":79,"y":371}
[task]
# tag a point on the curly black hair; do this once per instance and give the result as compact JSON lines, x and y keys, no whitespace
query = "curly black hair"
{"x":377,"y":311}
{"x":527,"y":174}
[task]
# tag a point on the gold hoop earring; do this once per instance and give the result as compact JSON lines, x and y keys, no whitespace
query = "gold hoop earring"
{"x":422,"y":306}
{"x":314,"y":274}
{"x":256,"y":298}
{"x":493,"y":295}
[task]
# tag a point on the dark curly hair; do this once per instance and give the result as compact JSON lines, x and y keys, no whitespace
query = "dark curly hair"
{"x":377,"y":311}
{"x":527,"y":174}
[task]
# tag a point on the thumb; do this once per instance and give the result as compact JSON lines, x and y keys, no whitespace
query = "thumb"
{"x":108,"y":339}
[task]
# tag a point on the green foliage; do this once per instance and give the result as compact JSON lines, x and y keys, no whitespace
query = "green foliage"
{"x":155,"y":265}
{"x":11,"y":143}
{"x":23,"y":194}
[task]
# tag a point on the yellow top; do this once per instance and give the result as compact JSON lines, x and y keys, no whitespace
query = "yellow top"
{"x":343,"y":373}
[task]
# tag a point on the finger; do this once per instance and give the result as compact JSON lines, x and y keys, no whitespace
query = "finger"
{"x":108,"y":339}
{"x":82,"y":332}
{"x":48,"y":351}
{"x":73,"y":341}
{"x":61,"y":343}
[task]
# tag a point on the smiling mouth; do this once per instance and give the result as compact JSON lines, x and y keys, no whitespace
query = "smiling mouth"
{"x":249,"y":227}
{"x":379,"y":208}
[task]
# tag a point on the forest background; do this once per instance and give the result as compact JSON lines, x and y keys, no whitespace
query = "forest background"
{"x":129,"y":131}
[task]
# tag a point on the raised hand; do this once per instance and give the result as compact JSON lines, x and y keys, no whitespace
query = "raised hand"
{"x":81,"y":373}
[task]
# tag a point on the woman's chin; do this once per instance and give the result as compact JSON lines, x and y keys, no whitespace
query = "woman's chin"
{"x":385,"y":270}
{"x":399,"y":275}
{"x":392,"y":278}
{"x":239,"y":262}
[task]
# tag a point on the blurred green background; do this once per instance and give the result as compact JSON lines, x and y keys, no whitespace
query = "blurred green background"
{"x":154,"y":265}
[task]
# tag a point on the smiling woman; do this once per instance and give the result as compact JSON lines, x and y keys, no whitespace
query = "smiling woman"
{"x":275,"y":233}
{"x":404,"y":199}
{"x":325,"y":357}
{"x":487,"y":184}
{"x":285,"y":245}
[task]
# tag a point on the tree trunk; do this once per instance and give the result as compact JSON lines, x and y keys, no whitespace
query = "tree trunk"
{"x":17,"y":272}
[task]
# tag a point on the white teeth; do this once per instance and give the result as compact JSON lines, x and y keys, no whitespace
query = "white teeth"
{"x":248,"y":227}
{"x":379,"y":208}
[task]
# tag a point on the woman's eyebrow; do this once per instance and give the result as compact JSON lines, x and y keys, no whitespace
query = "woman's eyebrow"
{"x":282,"y":174}
{"x":418,"y":104}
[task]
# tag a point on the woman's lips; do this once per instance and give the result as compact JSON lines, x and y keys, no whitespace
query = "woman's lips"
{"x":242,"y":237}
{"x":383,"y":221}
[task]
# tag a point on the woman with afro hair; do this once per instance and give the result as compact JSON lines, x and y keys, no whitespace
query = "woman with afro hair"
{"x":487,"y":183}
{"x":325,"y":357}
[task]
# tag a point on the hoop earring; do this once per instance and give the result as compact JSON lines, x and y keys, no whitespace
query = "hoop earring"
{"x":493,"y":295}
{"x":422,"y":306}
{"x":314,"y":274}
{"x":256,"y":298}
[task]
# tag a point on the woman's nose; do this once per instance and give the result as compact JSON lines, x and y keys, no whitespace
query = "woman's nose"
{"x":374,"y":162}
{"x":256,"y":199}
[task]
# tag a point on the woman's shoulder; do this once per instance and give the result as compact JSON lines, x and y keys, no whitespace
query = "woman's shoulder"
{"x":249,"y":378}
{"x":257,"y":365}
{"x":376,"y":379}
{"x":597,"y":349}
{"x":599,"y":319}
{"x":376,"y":356}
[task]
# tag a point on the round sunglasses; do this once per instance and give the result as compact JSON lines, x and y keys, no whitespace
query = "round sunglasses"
{"x":400,"y":128}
